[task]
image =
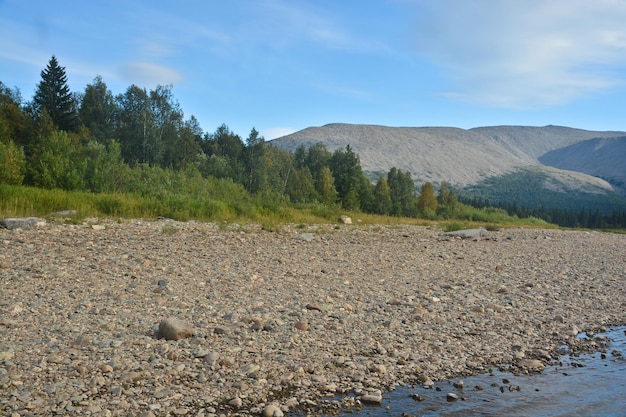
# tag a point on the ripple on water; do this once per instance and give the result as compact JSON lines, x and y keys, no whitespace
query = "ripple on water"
{"x":584,"y":385}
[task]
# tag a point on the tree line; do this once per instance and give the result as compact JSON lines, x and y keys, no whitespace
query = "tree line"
{"x":564,"y":217}
{"x":100,"y":142}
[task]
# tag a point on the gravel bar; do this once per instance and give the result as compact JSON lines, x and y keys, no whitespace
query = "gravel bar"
{"x":164,"y":318}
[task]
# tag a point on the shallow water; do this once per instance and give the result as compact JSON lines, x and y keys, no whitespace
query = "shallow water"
{"x":584,"y":385}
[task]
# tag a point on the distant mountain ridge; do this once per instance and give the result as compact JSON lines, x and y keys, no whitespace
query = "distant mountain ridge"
{"x":465,"y":157}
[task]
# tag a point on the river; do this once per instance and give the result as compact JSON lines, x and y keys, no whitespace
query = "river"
{"x":581,"y":385}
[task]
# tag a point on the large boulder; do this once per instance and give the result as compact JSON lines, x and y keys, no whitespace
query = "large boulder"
{"x":13,"y":223}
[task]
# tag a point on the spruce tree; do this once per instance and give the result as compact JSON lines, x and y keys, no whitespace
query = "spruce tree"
{"x":54,"y":97}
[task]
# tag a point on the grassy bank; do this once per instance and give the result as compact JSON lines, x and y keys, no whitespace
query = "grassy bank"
{"x":232,"y":207}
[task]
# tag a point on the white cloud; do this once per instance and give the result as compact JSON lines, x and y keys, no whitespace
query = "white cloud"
{"x":147,"y":74}
{"x":524,"y":53}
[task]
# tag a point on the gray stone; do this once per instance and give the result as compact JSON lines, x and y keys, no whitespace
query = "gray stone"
{"x":307,"y":237}
{"x":64,"y":213}
{"x":375,"y":397}
{"x":13,"y":223}
{"x":175,"y":329}
{"x":272,"y":410}
{"x":468,"y":233}
{"x":531,"y":364}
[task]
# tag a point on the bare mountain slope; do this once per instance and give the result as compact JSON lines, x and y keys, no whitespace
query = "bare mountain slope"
{"x":600,"y":157}
{"x":436,"y":154}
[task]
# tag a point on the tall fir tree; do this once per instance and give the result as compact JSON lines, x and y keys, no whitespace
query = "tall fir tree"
{"x":54,"y":97}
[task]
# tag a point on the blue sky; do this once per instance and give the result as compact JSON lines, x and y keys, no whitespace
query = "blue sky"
{"x":284,"y":65}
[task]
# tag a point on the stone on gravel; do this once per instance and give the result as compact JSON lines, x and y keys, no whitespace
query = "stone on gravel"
{"x":80,"y":309}
{"x":533,"y":364}
{"x":272,"y":410}
{"x":375,"y":397}
{"x":467,"y":233}
{"x":307,"y":237}
{"x":175,"y":329}
{"x":24,"y":223}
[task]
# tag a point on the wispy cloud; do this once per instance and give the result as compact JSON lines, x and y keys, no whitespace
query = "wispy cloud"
{"x":147,"y":74}
{"x":524,"y":54}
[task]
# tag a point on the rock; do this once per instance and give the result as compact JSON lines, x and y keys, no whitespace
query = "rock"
{"x":250,"y":369}
{"x":6,"y":356}
{"x":378,"y":368}
{"x":307,"y":237}
{"x":313,"y":307}
{"x":534,"y":364}
{"x":458,"y":384}
{"x":451,"y":397}
{"x":302,"y":325}
{"x":13,"y":223}
{"x":64,"y":213}
{"x":98,"y":226}
{"x":272,"y":410}
{"x":210,"y":357}
{"x":227,"y":361}
{"x":375,"y":397}
{"x":236,"y":402}
{"x":468,"y":233}
{"x":175,"y":329}
{"x":130,"y":377}
{"x":345,"y":219}
{"x":201,"y":353}
{"x":425,"y":381}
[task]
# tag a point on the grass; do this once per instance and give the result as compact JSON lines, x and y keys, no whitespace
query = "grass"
{"x":19,"y":201}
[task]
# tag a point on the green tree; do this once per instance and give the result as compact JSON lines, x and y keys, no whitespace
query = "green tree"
{"x":167,"y":118}
{"x":57,"y":163}
{"x":13,"y":121}
{"x":134,"y":125}
{"x":12,"y":163}
{"x":427,"y":202}
{"x":346,"y":169}
{"x":402,"y":190}
{"x":300,"y":187}
{"x":224,"y":151}
{"x":325,"y":186}
{"x":447,"y":202}
{"x":105,"y":170}
{"x":279,"y":167}
{"x":382,"y":197}
{"x":187,"y":147}
{"x":254,"y":160}
{"x":98,"y":110}
{"x":53,"y":96}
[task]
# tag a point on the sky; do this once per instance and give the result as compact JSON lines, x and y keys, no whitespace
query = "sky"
{"x":284,"y":65}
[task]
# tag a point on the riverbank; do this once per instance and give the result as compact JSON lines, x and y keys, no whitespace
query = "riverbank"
{"x":289,"y":317}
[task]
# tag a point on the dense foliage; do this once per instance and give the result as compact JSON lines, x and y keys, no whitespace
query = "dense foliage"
{"x":139,"y":142}
{"x":522,"y":194}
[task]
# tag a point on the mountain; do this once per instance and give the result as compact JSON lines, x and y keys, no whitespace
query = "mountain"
{"x":601,"y":157}
{"x":468,"y":158}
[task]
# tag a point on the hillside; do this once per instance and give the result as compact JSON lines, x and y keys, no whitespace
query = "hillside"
{"x":469,"y":157}
{"x":600,"y":157}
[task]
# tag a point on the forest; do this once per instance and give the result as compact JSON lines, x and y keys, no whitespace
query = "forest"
{"x":140,"y":142}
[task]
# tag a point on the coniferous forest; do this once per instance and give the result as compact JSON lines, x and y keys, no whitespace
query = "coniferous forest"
{"x":140,"y":142}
